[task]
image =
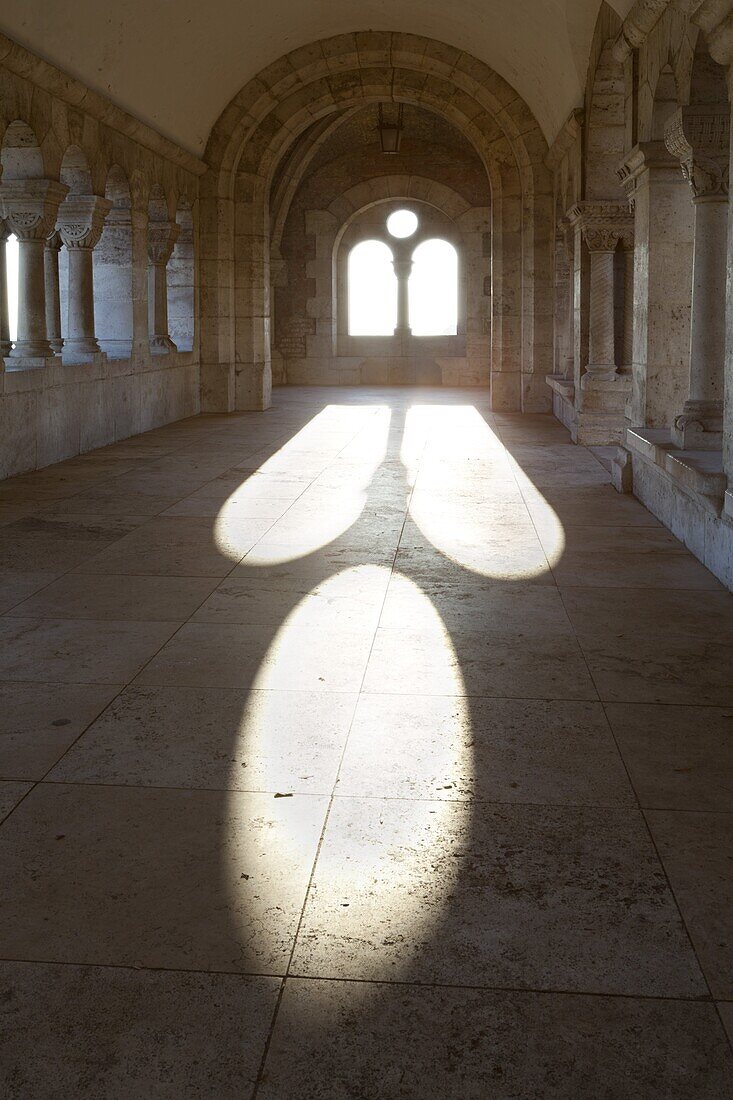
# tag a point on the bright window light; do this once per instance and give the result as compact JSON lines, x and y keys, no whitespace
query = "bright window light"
{"x":433,"y":289}
{"x":372,"y":290}
{"x":402,"y":223}
{"x":11,"y":267}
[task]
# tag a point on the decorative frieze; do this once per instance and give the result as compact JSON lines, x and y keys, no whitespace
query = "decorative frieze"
{"x":699,"y":137}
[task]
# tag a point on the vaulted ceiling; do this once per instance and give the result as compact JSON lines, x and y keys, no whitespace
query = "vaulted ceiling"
{"x":176,"y":64}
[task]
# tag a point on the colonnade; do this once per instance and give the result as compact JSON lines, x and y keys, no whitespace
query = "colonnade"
{"x":44,"y":216}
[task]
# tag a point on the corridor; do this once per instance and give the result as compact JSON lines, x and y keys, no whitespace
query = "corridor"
{"x":372,"y":746}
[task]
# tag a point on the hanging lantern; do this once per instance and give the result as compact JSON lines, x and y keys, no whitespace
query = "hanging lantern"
{"x":390,"y":133}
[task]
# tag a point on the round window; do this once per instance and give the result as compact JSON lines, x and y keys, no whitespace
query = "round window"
{"x":402,"y":223}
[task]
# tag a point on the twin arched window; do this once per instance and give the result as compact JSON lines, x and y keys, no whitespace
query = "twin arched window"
{"x":432,"y":285}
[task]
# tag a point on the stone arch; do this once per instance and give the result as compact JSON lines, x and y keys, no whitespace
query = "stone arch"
{"x":261,"y":123}
{"x":20,"y":153}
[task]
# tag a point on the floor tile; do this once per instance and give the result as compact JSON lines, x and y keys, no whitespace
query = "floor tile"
{"x":32,"y":544}
{"x":697,"y":852}
{"x":229,"y":655}
{"x":78,"y":596}
{"x":632,"y":611}
{"x":198,"y":738}
{"x":182,"y":547}
{"x":498,"y":750}
{"x":660,"y":668}
{"x":77,"y":651}
{"x":679,"y":758}
{"x":10,"y":795}
{"x":38,"y":722}
{"x":336,"y":1039}
{"x":630,"y":569}
{"x":153,"y":1037}
{"x":16,"y":587}
{"x":436,"y":662}
{"x":156,"y":878}
{"x":501,"y":896}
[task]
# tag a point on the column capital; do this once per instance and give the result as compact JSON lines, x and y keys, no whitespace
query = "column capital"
{"x":30,"y":206}
{"x":80,"y":220}
{"x":645,"y":157}
{"x":603,"y":224}
{"x":699,"y":137}
{"x":161,"y":238}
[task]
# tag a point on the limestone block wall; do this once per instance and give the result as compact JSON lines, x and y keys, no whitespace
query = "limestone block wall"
{"x":105,"y":213}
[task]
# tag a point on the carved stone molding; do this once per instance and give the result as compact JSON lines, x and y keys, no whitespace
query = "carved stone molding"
{"x":603,"y":224}
{"x":646,"y":156}
{"x":699,"y":137}
{"x":161,"y":238}
{"x":29,"y":207}
{"x":81,"y":220}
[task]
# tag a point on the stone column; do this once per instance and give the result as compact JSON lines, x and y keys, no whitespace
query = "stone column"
{"x":53,"y":301}
{"x":601,"y":402}
{"x":663,"y":242}
{"x":30,"y":207}
{"x":627,"y":343}
{"x":699,"y":137}
{"x":4,"y":315}
{"x":402,"y":269}
{"x":161,"y":239}
{"x":80,"y":223}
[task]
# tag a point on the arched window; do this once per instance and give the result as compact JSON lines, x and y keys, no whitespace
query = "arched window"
{"x":20,"y":157}
{"x":433,"y":289}
{"x":372,"y":290}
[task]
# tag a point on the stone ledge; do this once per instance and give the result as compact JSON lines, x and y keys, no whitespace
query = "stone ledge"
{"x":698,"y":473}
{"x":565,"y":387}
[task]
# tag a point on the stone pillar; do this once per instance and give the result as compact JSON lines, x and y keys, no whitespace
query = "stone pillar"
{"x":663,"y":241}
{"x":80,"y":223}
{"x":161,"y":239}
{"x":699,"y":137}
{"x":4,"y":315}
{"x":30,"y":207}
{"x":402,"y":269}
{"x":627,"y":342}
{"x":603,"y":391}
{"x":53,"y":301}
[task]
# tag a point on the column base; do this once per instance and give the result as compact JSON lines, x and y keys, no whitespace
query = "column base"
{"x":26,"y":349}
{"x":57,"y":346}
{"x":5,"y":348}
{"x":161,"y":345}
{"x":79,"y":351}
{"x":699,"y":427}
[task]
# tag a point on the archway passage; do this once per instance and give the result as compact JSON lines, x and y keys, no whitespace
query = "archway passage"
{"x":275,"y":157}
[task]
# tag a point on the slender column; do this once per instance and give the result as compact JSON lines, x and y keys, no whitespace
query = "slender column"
{"x":627,"y":345}
{"x":4,"y":314}
{"x":30,"y":207}
{"x":80,"y":224}
{"x":53,"y":301}
{"x":601,"y":348}
{"x":699,"y":137}
{"x":402,"y":269}
{"x":161,"y":239}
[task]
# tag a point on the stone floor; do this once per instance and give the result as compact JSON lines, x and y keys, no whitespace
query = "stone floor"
{"x":371,"y":747}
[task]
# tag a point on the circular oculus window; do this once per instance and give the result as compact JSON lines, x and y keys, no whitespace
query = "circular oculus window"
{"x":402,"y":223}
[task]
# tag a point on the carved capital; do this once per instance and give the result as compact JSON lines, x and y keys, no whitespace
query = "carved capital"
{"x":29,"y":207}
{"x":698,"y":136}
{"x":646,"y":157}
{"x":81,"y":220}
{"x":603,"y":224}
{"x":161,"y":238}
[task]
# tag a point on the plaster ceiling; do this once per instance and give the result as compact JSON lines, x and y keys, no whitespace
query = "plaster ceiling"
{"x":177,"y":63}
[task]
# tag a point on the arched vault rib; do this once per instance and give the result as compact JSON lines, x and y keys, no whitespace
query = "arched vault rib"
{"x":268,"y":115}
